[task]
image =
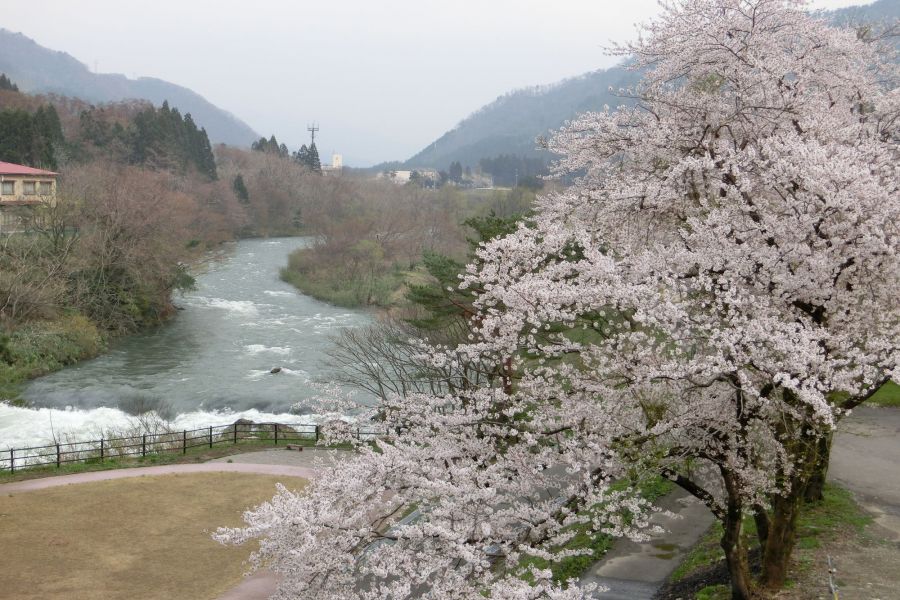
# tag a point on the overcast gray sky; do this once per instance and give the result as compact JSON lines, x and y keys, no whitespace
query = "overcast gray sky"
{"x":383,"y":78}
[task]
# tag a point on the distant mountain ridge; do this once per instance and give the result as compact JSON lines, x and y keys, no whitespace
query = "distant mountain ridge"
{"x":37,"y":69}
{"x":511,"y":123}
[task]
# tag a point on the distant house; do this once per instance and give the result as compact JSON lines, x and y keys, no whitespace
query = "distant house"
{"x":336,"y":167}
{"x":21,"y":189}
{"x":425,"y":177}
{"x":398,"y":177}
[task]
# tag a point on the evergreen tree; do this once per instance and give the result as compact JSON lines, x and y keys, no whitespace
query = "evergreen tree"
{"x":308,"y":157}
{"x":165,"y":139}
{"x":271,"y":146}
{"x":16,"y":136}
{"x":456,"y":172}
{"x":312,"y":159}
{"x":301,"y":155}
{"x":6,"y":84}
{"x":240,"y":190}
{"x":48,"y":137}
{"x":31,"y":139}
{"x":442,"y":301}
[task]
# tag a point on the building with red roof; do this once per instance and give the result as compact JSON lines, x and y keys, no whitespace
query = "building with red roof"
{"x":23,"y":186}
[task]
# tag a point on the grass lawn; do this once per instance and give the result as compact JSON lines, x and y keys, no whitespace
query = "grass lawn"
{"x":144,"y":537}
{"x":888,"y":395}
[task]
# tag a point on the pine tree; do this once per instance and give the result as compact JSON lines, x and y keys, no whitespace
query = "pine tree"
{"x":240,"y":190}
{"x":165,"y":139}
{"x":456,"y":171}
{"x":442,"y":301}
{"x":312,"y":159}
{"x":16,"y":136}
{"x":47,"y":137}
{"x":31,"y":139}
{"x":6,"y":84}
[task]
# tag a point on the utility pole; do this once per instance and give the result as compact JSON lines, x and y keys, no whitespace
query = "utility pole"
{"x":313,"y":129}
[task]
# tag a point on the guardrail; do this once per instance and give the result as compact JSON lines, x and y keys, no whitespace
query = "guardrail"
{"x":169,"y":442}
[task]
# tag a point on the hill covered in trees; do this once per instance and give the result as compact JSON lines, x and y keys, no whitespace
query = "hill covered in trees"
{"x":511,"y":124}
{"x":37,"y":69}
{"x":49,"y":131}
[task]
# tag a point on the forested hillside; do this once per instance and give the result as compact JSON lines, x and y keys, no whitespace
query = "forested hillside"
{"x":41,"y":70}
{"x":511,"y":124}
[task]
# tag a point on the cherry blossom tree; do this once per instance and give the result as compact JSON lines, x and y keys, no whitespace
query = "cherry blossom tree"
{"x":716,"y":291}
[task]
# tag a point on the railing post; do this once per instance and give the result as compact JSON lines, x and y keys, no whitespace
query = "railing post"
{"x":317,"y":433}
{"x":144,"y":444}
{"x":58,"y":462}
{"x":276,"y":434}
{"x":12,"y":460}
{"x":101,"y":449}
{"x":235,"y":432}
{"x":184,"y":442}
{"x":210,"y":436}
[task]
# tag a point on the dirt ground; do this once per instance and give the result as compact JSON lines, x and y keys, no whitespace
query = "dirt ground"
{"x":867,"y":568}
{"x":143,"y":538}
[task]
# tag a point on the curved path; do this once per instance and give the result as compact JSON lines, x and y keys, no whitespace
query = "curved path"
{"x":210,"y":467}
{"x":258,"y":586}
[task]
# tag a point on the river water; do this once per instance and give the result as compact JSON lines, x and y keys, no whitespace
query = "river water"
{"x":209,"y":365}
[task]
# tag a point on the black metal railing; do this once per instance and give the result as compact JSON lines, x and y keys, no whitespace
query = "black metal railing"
{"x":167,"y":442}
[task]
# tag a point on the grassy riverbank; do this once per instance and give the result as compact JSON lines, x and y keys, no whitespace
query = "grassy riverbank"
{"x":343,"y":286}
{"x":369,"y":252}
{"x":40,"y":347}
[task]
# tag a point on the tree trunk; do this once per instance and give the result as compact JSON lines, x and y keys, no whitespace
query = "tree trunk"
{"x":782,"y":534}
{"x":732,"y":545}
{"x":736,"y":557}
{"x":816,"y":486}
{"x":761,"y":517}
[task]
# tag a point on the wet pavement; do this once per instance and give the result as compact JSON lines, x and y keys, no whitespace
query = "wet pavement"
{"x":634,"y":571}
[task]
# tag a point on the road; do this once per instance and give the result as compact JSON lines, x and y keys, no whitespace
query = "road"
{"x":866,"y":460}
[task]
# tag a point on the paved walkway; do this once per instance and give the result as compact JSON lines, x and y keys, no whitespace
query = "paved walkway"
{"x":259,"y":469}
{"x":310,"y":458}
{"x":633,"y":571}
{"x":866,"y":460}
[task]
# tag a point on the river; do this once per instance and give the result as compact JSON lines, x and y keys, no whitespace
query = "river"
{"x":209,"y":365}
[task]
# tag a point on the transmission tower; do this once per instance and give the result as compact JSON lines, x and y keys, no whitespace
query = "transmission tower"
{"x":313,"y":129}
